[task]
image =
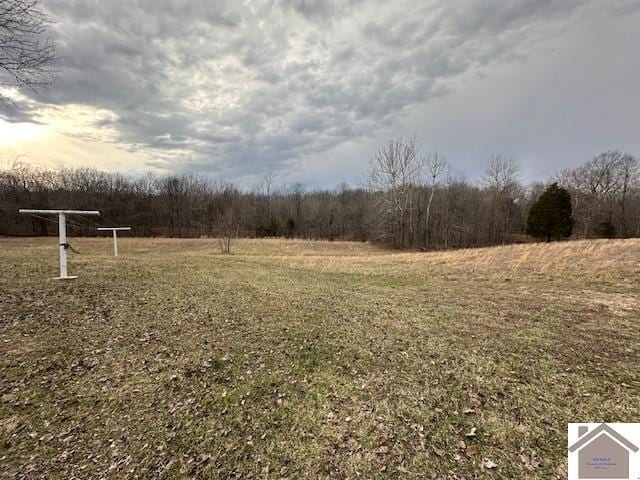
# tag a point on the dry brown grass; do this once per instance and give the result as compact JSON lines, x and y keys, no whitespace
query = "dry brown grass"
{"x":586,"y":257}
{"x":294,"y":359}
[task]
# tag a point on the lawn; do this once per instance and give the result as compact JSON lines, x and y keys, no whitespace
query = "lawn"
{"x":295,"y":359}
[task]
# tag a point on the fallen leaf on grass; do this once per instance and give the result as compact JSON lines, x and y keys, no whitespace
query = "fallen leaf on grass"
{"x":471,"y":433}
{"x":9,"y":424}
{"x":382,"y":449}
{"x":489,"y":464}
{"x":471,"y":451}
{"x":531,"y":462}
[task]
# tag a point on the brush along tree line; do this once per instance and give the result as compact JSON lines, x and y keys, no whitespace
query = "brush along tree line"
{"x":409,"y":201}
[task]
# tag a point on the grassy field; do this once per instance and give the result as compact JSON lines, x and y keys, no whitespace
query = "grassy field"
{"x":294,"y":359}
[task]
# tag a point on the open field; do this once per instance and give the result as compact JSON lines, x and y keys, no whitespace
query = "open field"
{"x":294,"y":359}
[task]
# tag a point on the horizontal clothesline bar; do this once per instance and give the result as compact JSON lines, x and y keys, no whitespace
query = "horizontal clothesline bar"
{"x":114,"y":228}
{"x":62,"y":232}
{"x":66,"y":212}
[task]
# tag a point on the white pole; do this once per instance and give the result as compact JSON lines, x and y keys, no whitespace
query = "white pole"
{"x":114,"y":231}
{"x":62,"y":237}
{"x":62,"y":233}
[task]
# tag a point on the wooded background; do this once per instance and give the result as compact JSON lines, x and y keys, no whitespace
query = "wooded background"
{"x":407,"y":201}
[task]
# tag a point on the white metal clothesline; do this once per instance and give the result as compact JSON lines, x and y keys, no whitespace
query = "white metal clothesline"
{"x":115,"y":231}
{"x":62,"y":233}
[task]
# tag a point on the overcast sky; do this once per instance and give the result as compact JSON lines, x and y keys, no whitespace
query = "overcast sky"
{"x":307,"y":90}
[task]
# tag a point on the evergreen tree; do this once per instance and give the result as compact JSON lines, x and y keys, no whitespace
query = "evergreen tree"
{"x":550,"y":216}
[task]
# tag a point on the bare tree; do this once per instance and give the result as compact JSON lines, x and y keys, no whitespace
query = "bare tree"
{"x":502,"y":179}
{"x":502,"y":173}
{"x":602,"y":189}
{"x":26,"y":57}
{"x":393,"y":174}
{"x":629,"y":173}
{"x":227,"y":229}
{"x":435,"y":165}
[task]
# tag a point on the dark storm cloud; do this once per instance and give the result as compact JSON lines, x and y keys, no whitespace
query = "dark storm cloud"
{"x":17,"y":111}
{"x":245,"y":88}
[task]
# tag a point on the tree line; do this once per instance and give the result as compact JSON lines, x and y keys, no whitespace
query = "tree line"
{"x":408,"y":200}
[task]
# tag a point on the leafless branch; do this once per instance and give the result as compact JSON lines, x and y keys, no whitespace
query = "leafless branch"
{"x":27,"y":56}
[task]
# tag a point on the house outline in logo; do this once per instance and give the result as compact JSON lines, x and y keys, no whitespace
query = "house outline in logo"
{"x":602,"y":453}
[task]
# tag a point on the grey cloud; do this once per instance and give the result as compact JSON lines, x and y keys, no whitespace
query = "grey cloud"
{"x":320,"y":9}
{"x":237,"y":89}
{"x":16,"y":112}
